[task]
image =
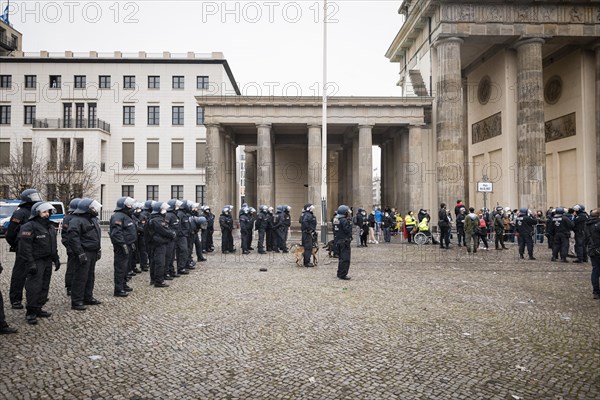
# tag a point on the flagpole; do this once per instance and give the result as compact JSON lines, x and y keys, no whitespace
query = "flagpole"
{"x":324,"y":133}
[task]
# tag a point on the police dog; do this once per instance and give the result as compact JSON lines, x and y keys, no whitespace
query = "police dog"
{"x":298,"y":251}
{"x":329,"y":247}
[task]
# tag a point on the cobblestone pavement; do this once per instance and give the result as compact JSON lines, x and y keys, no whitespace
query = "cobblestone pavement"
{"x":413,"y":323}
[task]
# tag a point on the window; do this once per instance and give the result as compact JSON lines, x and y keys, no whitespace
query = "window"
{"x":5,"y":81}
{"x":199,"y":115}
{"x":30,"y":81}
{"x":127,"y":191}
{"x":153,"y":115}
{"x":152,"y":192}
{"x":92,"y":115}
{"x":200,"y":190}
{"x":177,"y":155}
{"x":79,"y":81}
{"x":53,"y":147}
{"x":129,"y":115}
{"x":104,"y":81}
{"x":200,"y":154}
{"x":152,"y":155}
{"x":79,"y":115}
{"x":4,"y":154}
{"x":128,"y":154}
{"x":177,"y":115}
{"x":29,"y":115}
{"x":202,"y":82}
{"x":154,"y":82}
{"x":129,"y":82}
{"x":178,"y":82}
{"x":79,"y":150}
{"x":27,"y":154}
{"x":4,"y":115}
{"x":177,"y":192}
{"x":55,"y":81}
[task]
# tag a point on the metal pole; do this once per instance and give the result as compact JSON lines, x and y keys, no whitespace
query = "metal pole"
{"x":324,"y":132}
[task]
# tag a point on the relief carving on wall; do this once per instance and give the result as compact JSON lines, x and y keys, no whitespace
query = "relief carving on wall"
{"x":486,"y":128}
{"x":508,"y":13}
{"x":553,"y":90}
{"x":560,"y":128}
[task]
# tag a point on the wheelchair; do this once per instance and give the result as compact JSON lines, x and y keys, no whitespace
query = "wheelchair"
{"x":422,"y":238}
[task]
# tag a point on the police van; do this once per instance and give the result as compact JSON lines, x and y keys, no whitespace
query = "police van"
{"x":8,"y":207}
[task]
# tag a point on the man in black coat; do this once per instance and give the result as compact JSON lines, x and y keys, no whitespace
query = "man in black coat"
{"x":342,"y":236}
{"x":560,"y":229}
{"x":72,"y":260}
{"x":309,"y":227}
{"x":123,"y":235}
{"x":525,"y":224}
{"x":160,"y":234}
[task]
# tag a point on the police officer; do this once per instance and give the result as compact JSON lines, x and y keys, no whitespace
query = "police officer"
{"x":277,"y":230}
{"x":5,"y":329}
{"x":226,"y":224}
{"x":199,"y":224}
{"x":141,"y":242}
{"x":309,"y":227}
{"x":342,"y":236}
{"x":579,"y":219}
{"x":183,"y":233}
{"x":499,"y":228}
{"x":261,"y":226}
{"x":20,"y":269}
{"x":71,"y":258}
{"x":560,"y":229}
{"x":245,"y":229}
{"x":171,"y":216}
{"x":83,"y":240}
{"x":251,"y":227}
{"x":269,"y":232}
{"x":210,"y":230}
{"x":592,"y":234}
{"x":135,"y":216}
{"x":123,"y":235}
{"x":161,"y":235}
{"x":193,"y":210}
{"x":287,"y":222}
{"x":37,"y":246}
{"x":525,"y":224}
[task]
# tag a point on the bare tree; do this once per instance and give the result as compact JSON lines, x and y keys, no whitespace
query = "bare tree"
{"x":24,"y":170}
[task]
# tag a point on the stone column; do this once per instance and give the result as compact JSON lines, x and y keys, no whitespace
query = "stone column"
{"x":449,"y":127}
{"x":414,"y":185}
{"x":355,"y":173}
{"x":404,"y":169}
{"x":348,"y":172}
{"x":264,"y":163}
{"x":213,"y":167}
{"x":250,"y":176}
{"x":382,"y":174}
{"x":227,"y":171}
{"x":597,"y":49}
{"x":365,"y":166}
{"x":233,"y":177}
{"x":315,"y":169}
{"x":531,"y":139}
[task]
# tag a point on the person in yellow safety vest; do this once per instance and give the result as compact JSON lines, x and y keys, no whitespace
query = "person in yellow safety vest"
{"x":424,"y":228}
{"x":399,"y":220}
{"x":409,"y":223}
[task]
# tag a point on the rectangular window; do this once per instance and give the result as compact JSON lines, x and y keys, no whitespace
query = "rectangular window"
{"x":104,"y":81}
{"x":92,"y":115}
{"x":154,"y":82}
{"x":67,"y":115}
{"x":202,"y":82}
{"x":129,"y":82}
{"x":177,"y":115}
{"x":128,"y":154}
{"x":152,"y":192}
{"x":177,"y":155}
{"x":4,"y":115}
{"x":4,"y":154}
{"x":127,"y":191}
{"x":200,"y":191}
{"x":128,"y":115}
{"x":152,"y":155}
{"x":178,"y":82}
{"x":55,"y":81}
{"x":29,"y":115}
{"x":53,"y":156}
{"x":177,"y":192}
{"x":5,"y":81}
{"x":30,"y":81}
{"x":80,"y":115}
{"x":153,"y":115}
{"x":79,"y":81}
{"x":200,"y":154}
{"x":79,"y":150}
{"x":27,"y":154}
{"x":199,"y":115}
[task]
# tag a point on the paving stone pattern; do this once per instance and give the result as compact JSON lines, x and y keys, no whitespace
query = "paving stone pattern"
{"x":413,"y":323}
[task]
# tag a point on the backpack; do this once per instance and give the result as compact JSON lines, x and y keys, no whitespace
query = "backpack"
{"x":482,"y":223}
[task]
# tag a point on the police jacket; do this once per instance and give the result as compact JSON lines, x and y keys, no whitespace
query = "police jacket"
{"x":286,"y":220}
{"x":592,"y":235}
{"x":83,"y":234}
{"x":309,"y":222}
{"x":561,"y":225}
{"x":525,"y":224}
{"x":142,"y":221}
{"x":19,"y":217}
{"x":278,"y":220}
{"x":579,"y":221}
{"x":159,"y":230}
{"x":261,"y":221}
{"x":226,"y":222}
{"x":37,"y":240}
{"x":270,"y":221}
{"x":194,"y":227}
{"x":184,"y":224}
{"x":122,"y":229}
{"x":210,"y":218}
{"x":342,"y":229}
{"x":63,"y":231}
{"x":172,"y":220}
{"x":245,"y":223}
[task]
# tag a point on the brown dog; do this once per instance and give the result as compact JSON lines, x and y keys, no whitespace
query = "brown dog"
{"x":298,"y":252}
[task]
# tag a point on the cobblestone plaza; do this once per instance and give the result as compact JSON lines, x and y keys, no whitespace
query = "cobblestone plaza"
{"x":414,"y":322}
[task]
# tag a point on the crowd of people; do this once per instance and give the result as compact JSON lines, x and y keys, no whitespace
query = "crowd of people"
{"x":160,"y":237}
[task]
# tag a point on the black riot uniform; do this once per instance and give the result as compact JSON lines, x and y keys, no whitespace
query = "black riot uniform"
{"x":38,"y":247}
{"x":261,"y":226}
{"x":19,"y":271}
{"x":160,"y":235}
{"x":525,"y":225}
{"x":71,"y":258}
{"x":560,"y":229}
{"x":198,"y":225}
{"x":309,"y":226}
{"x":278,"y":230}
{"x":84,"y":243}
{"x":226,"y":224}
{"x":183,"y":235}
{"x":342,"y":236}
{"x":123,"y":235}
{"x":171,"y":217}
{"x":142,"y":248}
{"x":210,"y":230}
{"x":287,"y":222}
{"x":269,"y":233}
{"x":580,"y":219}
{"x":245,"y":229}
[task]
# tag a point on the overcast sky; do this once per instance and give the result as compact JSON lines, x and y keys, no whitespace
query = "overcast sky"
{"x":269,"y":44}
